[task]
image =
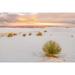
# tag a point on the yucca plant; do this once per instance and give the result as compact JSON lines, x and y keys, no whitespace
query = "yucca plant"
{"x":51,"y":49}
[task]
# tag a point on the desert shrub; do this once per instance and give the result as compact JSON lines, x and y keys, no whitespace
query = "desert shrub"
{"x":24,"y":35}
{"x":45,"y":30}
{"x":39,"y":34}
{"x":14,"y":34}
{"x":30,"y":34}
{"x":51,"y":49}
{"x":11,"y":34}
{"x":72,"y":36}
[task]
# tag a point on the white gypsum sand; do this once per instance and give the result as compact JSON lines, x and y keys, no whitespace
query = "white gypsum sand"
{"x":29,"y":48}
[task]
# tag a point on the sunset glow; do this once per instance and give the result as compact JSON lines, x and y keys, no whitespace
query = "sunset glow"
{"x":27,"y":19}
{"x":36,"y":19}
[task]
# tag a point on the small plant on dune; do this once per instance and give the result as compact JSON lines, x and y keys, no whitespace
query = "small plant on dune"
{"x":30,"y":34}
{"x":51,"y":49}
{"x":39,"y":34}
{"x":11,"y":34}
{"x":72,"y":36}
{"x":24,"y":35}
{"x":45,"y":30}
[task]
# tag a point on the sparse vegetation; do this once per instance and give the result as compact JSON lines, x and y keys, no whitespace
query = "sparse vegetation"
{"x":51,"y":49}
{"x":11,"y":34}
{"x":39,"y":34}
{"x":45,"y":30}
{"x":72,"y":36}
{"x":14,"y":34}
{"x":30,"y":34}
{"x":24,"y":35}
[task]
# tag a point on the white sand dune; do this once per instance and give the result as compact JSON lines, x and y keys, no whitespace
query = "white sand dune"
{"x":29,"y":48}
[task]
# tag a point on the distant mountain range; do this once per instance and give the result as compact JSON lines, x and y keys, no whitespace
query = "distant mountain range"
{"x":30,"y":18}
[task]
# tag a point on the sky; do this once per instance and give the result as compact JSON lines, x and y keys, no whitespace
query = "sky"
{"x":36,"y":6}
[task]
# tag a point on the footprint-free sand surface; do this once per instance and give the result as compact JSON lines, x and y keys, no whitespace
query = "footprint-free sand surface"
{"x":29,"y":48}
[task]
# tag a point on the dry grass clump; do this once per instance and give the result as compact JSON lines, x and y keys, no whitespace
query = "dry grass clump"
{"x":72,"y":36}
{"x":24,"y":35}
{"x":39,"y":34}
{"x":30,"y":34}
{"x":51,"y":49}
{"x":11,"y":34}
{"x":45,"y":30}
